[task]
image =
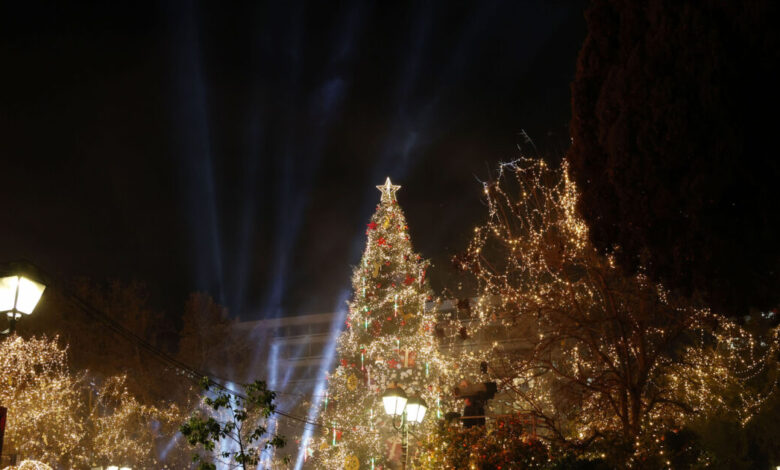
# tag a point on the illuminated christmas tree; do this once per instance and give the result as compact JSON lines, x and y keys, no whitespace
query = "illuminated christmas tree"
{"x":388,"y":341}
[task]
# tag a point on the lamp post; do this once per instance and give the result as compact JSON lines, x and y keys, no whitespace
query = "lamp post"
{"x":408,"y":409}
{"x":19,"y":294}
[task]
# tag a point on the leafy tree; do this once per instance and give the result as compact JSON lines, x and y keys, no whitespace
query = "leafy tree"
{"x":102,"y":351}
{"x":674,"y":116}
{"x":209,"y":339}
{"x":234,"y":430}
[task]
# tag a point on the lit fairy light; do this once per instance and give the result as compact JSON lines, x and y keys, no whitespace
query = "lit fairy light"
{"x":389,"y":339}
{"x":594,"y":332}
{"x":49,"y":417}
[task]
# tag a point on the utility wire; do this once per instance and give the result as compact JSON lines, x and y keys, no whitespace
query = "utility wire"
{"x":189,"y":371}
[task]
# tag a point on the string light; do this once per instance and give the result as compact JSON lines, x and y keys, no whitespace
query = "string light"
{"x":58,"y":417}
{"x":606,"y":352}
{"x":600,"y":352}
{"x":395,"y":345}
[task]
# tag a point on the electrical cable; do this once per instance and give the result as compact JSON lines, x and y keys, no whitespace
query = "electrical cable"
{"x":189,"y":371}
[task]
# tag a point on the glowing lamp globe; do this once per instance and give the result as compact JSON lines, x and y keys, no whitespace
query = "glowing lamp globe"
{"x":19,"y":295}
{"x":394,"y":400}
{"x":415,"y":410}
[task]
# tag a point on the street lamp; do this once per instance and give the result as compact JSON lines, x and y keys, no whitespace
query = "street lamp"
{"x":415,"y":410}
{"x":409,"y":409}
{"x":18,"y":296}
{"x":394,"y":400}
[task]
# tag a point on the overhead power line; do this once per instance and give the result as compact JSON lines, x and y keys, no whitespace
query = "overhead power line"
{"x":190,"y":372}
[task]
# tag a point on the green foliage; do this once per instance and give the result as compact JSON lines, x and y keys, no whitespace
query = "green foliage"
{"x":672,"y":148}
{"x":234,"y":418}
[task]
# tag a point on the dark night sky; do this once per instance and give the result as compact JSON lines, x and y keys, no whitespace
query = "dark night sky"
{"x":197,"y":146}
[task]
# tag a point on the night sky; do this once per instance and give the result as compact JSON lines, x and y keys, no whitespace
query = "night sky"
{"x":236,"y":149}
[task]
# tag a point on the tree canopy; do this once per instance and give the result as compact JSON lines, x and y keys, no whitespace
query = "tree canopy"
{"x":673,"y":144}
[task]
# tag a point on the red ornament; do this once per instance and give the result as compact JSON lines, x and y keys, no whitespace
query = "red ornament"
{"x":372,"y":226}
{"x":387,"y":263}
{"x":378,"y":285}
{"x":381,"y":241}
{"x":409,"y":279}
{"x":343,"y":363}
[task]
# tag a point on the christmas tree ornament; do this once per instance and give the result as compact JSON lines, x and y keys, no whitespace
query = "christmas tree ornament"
{"x":352,"y":382}
{"x":352,"y":463}
{"x":383,"y":309}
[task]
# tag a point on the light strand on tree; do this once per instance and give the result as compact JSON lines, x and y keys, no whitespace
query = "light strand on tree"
{"x":592,"y":329}
{"x":393,"y":344}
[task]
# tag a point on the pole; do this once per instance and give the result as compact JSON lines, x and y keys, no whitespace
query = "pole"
{"x":11,"y":324}
{"x":404,"y":440}
{"x":16,"y":302}
{"x":3,"y":416}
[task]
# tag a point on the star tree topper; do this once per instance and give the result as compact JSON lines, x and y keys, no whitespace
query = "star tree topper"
{"x":388,"y":191}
